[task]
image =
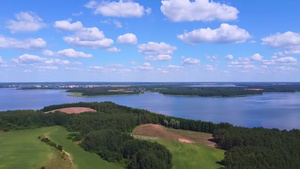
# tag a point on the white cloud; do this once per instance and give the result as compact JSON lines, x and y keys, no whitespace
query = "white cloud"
{"x":77,"y":14}
{"x":290,"y":41}
{"x":133,"y":63}
{"x":209,"y":67}
{"x":27,"y":44}
{"x":128,"y":38}
{"x":191,"y":61}
{"x":65,"y":25}
{"x":211,"y":58}
{"x":229,"y":57}
{"x":174,"y":67}
{"x":197,"y":10}
{"x":287,"y":60}
{"x":57,"y":61}
{"x":113,"y":49}
{"x":152,"y":48}
{"x":28,"y":59}
{"x":71,"y":53}
{"x":48,"y":53}
{"x":224,"y":34}
{"x":90,"y":38}
{"x":145,"y":66}
{"x":95,"y":68}
{"x":43,"y":68}
{"x":158,"y":58}
{"x":73,"y":68}
{"x":256,"y":57}
{"x":286,"y":68}
{"x":118,"y":24}
{"x":122,"y":9}
{"x":115,"y":65}
{"x":148,"y":11}
{"x":27,"y":22}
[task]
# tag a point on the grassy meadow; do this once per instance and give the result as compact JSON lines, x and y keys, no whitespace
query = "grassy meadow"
{"x":193,"y":156}
{"x":198,"y":154}
{"x":23,"y":149}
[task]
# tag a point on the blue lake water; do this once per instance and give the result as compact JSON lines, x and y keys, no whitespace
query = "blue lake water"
{"x":270,"y":110}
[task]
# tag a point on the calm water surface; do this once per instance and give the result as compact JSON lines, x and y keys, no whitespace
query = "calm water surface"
{"x":270,"y":110}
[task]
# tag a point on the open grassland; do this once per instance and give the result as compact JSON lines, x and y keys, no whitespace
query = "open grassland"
{"x":81,"y":158}
{"x":23,"y":149}
{"x":189,"y":149}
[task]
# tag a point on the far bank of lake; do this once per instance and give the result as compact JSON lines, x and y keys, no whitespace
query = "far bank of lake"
{"x":270,"y":110}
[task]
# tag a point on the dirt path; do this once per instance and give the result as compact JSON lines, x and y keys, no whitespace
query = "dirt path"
{"x":158,"y":131}
{"x":69,"y":158}
{"x":73,"y":110}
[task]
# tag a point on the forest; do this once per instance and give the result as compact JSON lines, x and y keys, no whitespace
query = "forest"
{"x":106,"y":133}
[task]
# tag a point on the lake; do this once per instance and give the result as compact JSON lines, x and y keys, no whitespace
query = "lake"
{"x":270,"y":110}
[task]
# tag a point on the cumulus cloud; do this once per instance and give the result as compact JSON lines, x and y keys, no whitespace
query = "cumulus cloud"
{"x":27,"y":22}
{"x":224,"y":34}
{"x":152,"y":48}
{"x":191,"y":61}
{"x":66,"y":25}
{"x":290,"y":41}
{"x":256,"y":57}
{"x":122,"y":9}
{"x":69,"y":53}
{"x":56,"y":61}
{"x":229,"y":57}
{"x":27,"y":44}
{"x":158,"y":58}
{"x":174,"y":67}
{"x":28,"y":59}
{"x":145,"y":66}
{"x":198,"y":10}
{"x":287,"y":60}
{"x":90,"y":38}
{"x":113,"y":49}
{"x":128,"y":38}
{"x":211,"y":58}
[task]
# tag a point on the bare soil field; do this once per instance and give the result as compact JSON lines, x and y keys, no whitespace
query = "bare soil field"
{"x":73,"y":110}
{"x":158,"y":131}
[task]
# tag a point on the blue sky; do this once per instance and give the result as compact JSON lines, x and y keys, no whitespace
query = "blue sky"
{"x":135,"y":40}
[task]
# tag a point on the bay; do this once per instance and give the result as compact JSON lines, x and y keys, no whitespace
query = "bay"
{"x":270,"y":110}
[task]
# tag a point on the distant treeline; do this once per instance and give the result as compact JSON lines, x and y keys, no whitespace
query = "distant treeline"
{"x":241,"y":89}
{"x":106,"y":132}
{"x":209,"y":91}
{"x":97,"y":91}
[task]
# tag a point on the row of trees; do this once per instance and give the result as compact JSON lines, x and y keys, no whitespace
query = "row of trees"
{"x":259,"y":147}
{"x":209,"y":91}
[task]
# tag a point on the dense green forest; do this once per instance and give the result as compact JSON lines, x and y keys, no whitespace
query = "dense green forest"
{"x":106,"y":132}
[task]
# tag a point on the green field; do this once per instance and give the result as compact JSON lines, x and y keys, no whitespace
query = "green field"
{"x":23,"y":149}
{"x":193,"y":156}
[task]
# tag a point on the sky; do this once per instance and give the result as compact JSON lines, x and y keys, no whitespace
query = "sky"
{"x":149,"y":41}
